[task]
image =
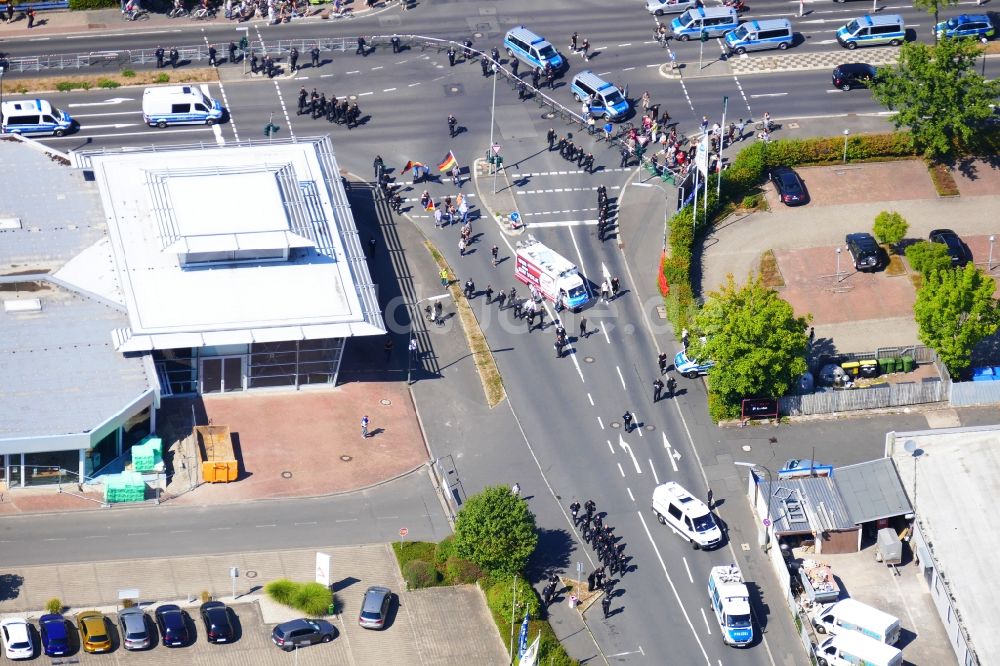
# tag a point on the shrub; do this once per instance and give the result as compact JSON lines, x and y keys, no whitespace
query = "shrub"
{"x":281,"y":591}
{"x":205,"y":596}
{"x":889,"y":228}
{"x":462,"y":572}
{"x":79,"y":5}
{"x":500,"y":596}
{"x":162,"y":78}
{"x":128,"y":73}
{"x":107,"y":83}
{"x":312,"y":598}
{"x":418,"y":574}
{"x":443,"y":551}
{"x":54,"y":605}
{"x":750,"y":201}
{"x":926,"y":257}
{"x":66,"y":86}
{"x":413,"y":550}
{"x":944,"y":181}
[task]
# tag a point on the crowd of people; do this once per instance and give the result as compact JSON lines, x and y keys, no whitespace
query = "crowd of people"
{"x":610,"y":552}
{"x":316,"y":105}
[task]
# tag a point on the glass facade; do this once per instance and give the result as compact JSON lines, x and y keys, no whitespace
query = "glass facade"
{"x":51,"y":467}
{"x":135,"y":428}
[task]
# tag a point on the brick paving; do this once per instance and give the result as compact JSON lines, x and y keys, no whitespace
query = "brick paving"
{"x":792,"y":62}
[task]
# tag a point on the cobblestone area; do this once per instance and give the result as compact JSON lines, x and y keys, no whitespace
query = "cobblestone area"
{"x":796,"y":62}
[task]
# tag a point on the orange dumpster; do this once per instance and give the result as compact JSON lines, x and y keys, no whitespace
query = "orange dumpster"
{"x":215,"y":450}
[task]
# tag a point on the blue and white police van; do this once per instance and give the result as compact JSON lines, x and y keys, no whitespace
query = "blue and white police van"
{"x":179,"y":105}
{"x":34,"y":116}
{"x":532,"y":49}
{"x":712,"y":21}
{"x":603,"y":99}
{"x":760,"y":36}
{"x":872,"y":31}
{"x":691,"y":369}
{"x":730,"y":599}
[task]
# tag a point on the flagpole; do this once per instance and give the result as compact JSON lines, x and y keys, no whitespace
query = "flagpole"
{"x":493,"y":110}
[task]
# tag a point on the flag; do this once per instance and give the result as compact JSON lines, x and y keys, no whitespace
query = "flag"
{"x":530,"y":656}
{"x":430,"y":205}
{"x":449,"y":162}
{"x":522,"y":639}
{"x":410,"y":164}
{"x":701,"y":157}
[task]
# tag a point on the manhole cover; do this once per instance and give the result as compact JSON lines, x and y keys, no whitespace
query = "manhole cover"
{"x":745,"y":547}
{"x":286,"y":475}
{"x":615,"y":425}
{"x":385,"y":401}
{"x":250,"y":574}
{"x":746,"y":448}
{"x":793,"y":125}
{"x":346,"y":458}
{"x":352,"y":97}
{"x":649,"y":428}
{"x":548,"y":116}
{"x":477,"y":35}
{"x":454,"y":90}
{"x":588,"y":359}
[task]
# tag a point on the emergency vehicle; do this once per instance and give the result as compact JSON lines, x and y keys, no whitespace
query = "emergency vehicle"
{"x":730,"y":600}
{"x":555,"y":277}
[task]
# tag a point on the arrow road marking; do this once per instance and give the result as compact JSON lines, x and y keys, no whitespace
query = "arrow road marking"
{"x":674,"y":456}
{"x":114,"y":100}
{"x":621,"y":442}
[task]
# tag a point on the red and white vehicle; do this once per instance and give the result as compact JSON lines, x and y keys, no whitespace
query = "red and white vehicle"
{"x":554,"y":276}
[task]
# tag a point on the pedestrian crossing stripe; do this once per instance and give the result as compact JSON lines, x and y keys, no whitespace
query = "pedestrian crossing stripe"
{"x":565,"y":173}
{"x":565,"y":189}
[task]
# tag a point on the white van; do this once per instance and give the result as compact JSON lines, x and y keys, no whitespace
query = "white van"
{"x":873,"y":31}
{"x":179,"y":105}
{"x":686,"y":515}
{"x":33,"y":116}
{"x":852,"y":649}
{"x":712,"y":21}
{"x":760,"y":35}
{"x":852,"y":615}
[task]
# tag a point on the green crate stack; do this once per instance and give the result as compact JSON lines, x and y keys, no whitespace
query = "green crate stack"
{"x":124,"y":487}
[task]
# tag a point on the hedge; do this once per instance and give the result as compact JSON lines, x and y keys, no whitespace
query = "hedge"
{"x":81,"y":5}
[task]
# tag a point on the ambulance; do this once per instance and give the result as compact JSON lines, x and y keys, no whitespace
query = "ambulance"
{"x":730,"y":600}
{"x":555,"y":277}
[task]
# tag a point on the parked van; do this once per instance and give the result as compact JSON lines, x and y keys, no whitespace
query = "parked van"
{"x":760,"y":35}
{"x":686,"y":515}
{"x":531,"y":49}
{"x":852,"y":615}
{"x":873,"y":31}
{"x":179,"y":105}
{"x":604,"y":98}
{"x":34,"y":116}
{"x":850,"y":649}
{"x":715,"y":21}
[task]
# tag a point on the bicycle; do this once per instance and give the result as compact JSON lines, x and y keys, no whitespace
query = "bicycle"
{"x":760,"y":126}
{"x":135,"y":15}
{"x":177,"y":12}
{"x":202,"y":13}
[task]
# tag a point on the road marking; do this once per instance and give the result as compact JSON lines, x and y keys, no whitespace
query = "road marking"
{"x":89,"y":536}
{"x":379,"y":67}
{"x":564,"y":223}
{"x":64,"y":538}
{"x":623,"y":379}
{"x":768,"y":95}
{"x":118,"y":113}
{"x":271,"y":525}
{"x":670,"y":455}
{"x":704,"y":617}
{"x":670,"y":581}
{"x":604,"y":73}
{"x":365,"y":93}
{"x":621,"y":442}
{"x":345,"y":520}
{"x":284,"y":110}
{"x":591,"y":399}
{"x":631,"y":497}
{"x":621,"y":470}
{"x":413,"y":84}
{"x":611,"y":447}
{"x":600,"y":422}
{"x":653,"y":469}
{"x":388,"y":89}
{"x":604,"y":330}
{"x":628,"y":44}
{"x":132,"y":534}
{"x":112,"y":126}
{"x":357,"y":71}
{"x":655,"y":64}
{"x":311,"y":522}
{"x":688,"y":569}
{"x":115,"y":100}
{"x":626,"y":69}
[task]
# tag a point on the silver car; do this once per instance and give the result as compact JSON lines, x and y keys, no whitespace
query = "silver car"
{"x":375,"y":607}
{"x":661,"y":7}
{"x":134,"y":629}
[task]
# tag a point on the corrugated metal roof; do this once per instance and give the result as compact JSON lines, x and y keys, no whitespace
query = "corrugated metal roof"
{"x":810,"y":504}
{"x":872,"y":490}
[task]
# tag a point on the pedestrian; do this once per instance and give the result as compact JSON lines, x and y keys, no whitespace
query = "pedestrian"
{"x":516,"y":304}
{"x":662,"y":360}
{"x":469,"y":289}
{"x":557,"y":345}
{"x":514,"y":64}
{"x":541,"y":319}
{"x":485,"y":66}
{"x":591,"y":581}
{"x":606,"y":606}
{"x":364,"y":426}
{"x":501,"y":298}
{"x":740,"y":126}
{"x":232,"y":51}
{"x":671,"y":385}
{"x":572,"y":42}
{"x":585,"y":49}
{"x":522,"y":90}
{"x":31,"y":17}
{"x":461,"y":247}
{"x":159,"y":53}
{"x":684,"y":338}
{"x":589,"y":507}
{"x":710,"y":497}
{"x":362,"y":49}
{"x":494,"y":251}
{"x":489,"y":294}
{"x":536,"y":74}
{"x":627,"y":418}
{"x":586,"y":532}
{"x":413,"y":348}
{"x":438,"y":309}
{"x":444,"y":277}
{"x":605,"y":291}
{"x":314,"y":55}
{"x":657,"y":389}
{"x":704,"y":124}
{"x":625,"y":157}
{"x":588,"y":163}
{"x":574,"y":508}
{"x":174,"y":57}
{"x":371,"y":246}
{"x":583,"y":327}
{"x":515,"y":489}
{"x":615,"y":285}
{"x":452,"y":124}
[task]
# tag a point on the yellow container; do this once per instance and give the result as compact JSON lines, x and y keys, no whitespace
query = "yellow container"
{"x":215,"y":450}
{"x":851,"y":368}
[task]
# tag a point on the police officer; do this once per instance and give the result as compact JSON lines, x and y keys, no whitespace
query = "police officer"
{"x":212,"y":62}
{"x":550,"y":136}
{"x":522,"y":90}
{"x":320,"y":108}
{"x":662,"y":360}
{"x":588,"y":163}
{"x":293,"y":59}
{"x":395,"y":43}
{"x":514,"y":64}
{"x":362,"y":47}
{"x":303,"y":96}
{"x":606,"y":606}
{"x":451,"y":56}
{"x":671,"y":385}
{"x":452,"y":125}
{"x":574,"y":508}
{"x":378,"y":165}
{"x":536,"y":74}
{"x":159,"y":55}
{"x":495,"y":54}
{"x":590,"y":507}
{"x":174,"y":57}
{"x":269,"y":66}
{"x":602,"y":195}
{"x":627,"y":419}
{"x":657,"y":389}
{"x":232,"y":52}
{"x":314,"y":54}
{"x":591,"y":581}
{"x":485,"y":65}
{"x":562,"y":145}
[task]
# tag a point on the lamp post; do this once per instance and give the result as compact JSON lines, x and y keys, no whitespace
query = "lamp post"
{"x":989,"y":266}
{"x":770,"y":491}
{"x":666,"y":210}
{"x":2,"y":69}
{"x":409,"y":343}
{"x":847,"y":133}
{"x":838,"y":264}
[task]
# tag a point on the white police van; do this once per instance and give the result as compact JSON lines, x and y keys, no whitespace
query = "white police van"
{"x":713,"y":21}
{"x":179,"y":105}
{"x":760,"y":35}
{"x":730,"y":599}
{"x":604,"y":99}
{"x":686,"y":515}
{"x":34,"y":116}
{"x":529,"y":48}
{"x":872,"y":31}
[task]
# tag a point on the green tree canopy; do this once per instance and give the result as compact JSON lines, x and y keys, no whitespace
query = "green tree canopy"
{"x":756,"y":341}
{"x":890,"y":227}
{"x":496,"y":530}
{"x":927,"y":257}
{"x":954,"y":310}
{"x":937,"y":93}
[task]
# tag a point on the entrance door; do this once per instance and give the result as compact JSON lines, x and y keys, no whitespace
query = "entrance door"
{"x":14,"y":470}
{"x":222,"y":374}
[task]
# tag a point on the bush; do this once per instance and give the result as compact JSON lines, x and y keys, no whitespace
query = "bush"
{"x":310,"y":598}
{"x":66,"y":86}
{"x":79,"y":5}
{"x":162,"y":78}
{"x":281,"y":591}
{"x":443,"y":551}
{"x":107,"y":83}
{"x":128,"y":73}
{"x":926,"y":257}
{"x":54,"y":605}
{"x":889,"y":228}
{"x":413,"y":550}
{"x":944,"y":181}
{"x":500,"y":596}
{"x":418,"y":574}
{"x":461,"y":572}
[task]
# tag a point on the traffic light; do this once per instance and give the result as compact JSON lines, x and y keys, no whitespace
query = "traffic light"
{"x":704,"y":36}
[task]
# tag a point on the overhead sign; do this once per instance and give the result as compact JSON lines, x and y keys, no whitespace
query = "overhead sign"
{"x":323,"y":569}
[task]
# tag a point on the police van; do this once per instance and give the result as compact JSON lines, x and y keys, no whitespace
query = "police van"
{"x":529,"y":48}
{"x":713,"y":21}
{"x":34,"y":116}
{"x":686,"y":515}
{"x":851,"y":649}
{"x":760,"y":35}
{"x":179,"y":105}
{"x":873,"y":31}
{"x":730,"y":599}
{"x":604,"y":99}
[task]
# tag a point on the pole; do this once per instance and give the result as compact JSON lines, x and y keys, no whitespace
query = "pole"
{"x":838,"y":264}
{"x":694,"y":208}
{"x":493,"y":110}
{"x":989,"y":265}
{"x":513,"y":604}
{"x":409,"y":351}
{"x":701,"y":55}
{"x":847,"y":133}
{"x":681,"y":202}
{"x":722,"y":134}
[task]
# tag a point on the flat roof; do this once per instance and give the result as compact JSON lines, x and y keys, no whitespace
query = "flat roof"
{"x":257,"y":196}
{"x":807,"y":504}
{"x":872,"y":490}
{"x":956,"y":490}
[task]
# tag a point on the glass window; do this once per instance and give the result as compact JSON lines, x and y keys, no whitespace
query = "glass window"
{"x":180,"y":108}
{"x":179,"y":369}
{"x":51,"y":467}
{"x":135,"y":428}
{"x":103,"y":453}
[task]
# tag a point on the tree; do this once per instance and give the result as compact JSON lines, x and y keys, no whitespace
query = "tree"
{"x":933,"y":7}
{"x":756,"y":341}
{"x":926,"y":257}
{"x":937,"y":93}
{"x":890,"y":228}
{"x":954,"y":311}
{"x":496,"y":530}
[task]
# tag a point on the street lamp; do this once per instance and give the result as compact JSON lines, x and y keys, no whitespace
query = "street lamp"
{"x":666,"y":210}
{"x":989,"y":266}
{"x":847,"y":133}
{"x":770,"y":491}
{"x":409,"y":344}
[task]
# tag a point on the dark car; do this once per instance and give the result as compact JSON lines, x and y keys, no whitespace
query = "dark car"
{"x":790,"y":188}
{"x":957,"y":250}
{"x":172,"y":622}
{"x":218,"y":628}
{"x":302,"y":632}
{"x":55,"y":635}
{"x":865,"y":252}
{"x":853,"y":75}
{"x":375,"y":607}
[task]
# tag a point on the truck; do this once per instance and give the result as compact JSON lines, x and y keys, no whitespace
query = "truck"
{"x":730,"y":599}
{"x":554,"y":276}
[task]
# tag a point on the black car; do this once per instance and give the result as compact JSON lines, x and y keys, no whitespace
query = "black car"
{"x":865,"y":252}
{"x":172,"y":623}
{"x":302,"y":632}
{"x":790,"y":188}
{"x":853,"y":75}
{"x":957,"y":250}
{"x":218,"y":628}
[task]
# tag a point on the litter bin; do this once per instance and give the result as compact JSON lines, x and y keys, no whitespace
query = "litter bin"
{"x":897,"y":364}
{"x":907,"y":363}
{"x":851,"y":368}
{"x":886,"y":366}
{"x":869,"y":369}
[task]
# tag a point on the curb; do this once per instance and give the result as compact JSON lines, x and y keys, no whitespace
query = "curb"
{"x":486,"y":207}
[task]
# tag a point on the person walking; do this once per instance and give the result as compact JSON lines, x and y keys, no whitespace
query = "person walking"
{"x":232,"y":52}
{"x":489,"y":294}
{"x":451,"y":56}
{"x":662,"y":360}
{"x":469,"y":288}
{"x":364,"y":426}
{"x":212,"y":56}
{"x":461,"y":247}
{"x":625,"y":154}
{"x":573,"y":42}
{"x":585,"y":49}
{"x":444,"y":277}
{"x":671,"y":385}
{"x":514,"y":65}
{"x":517,"y":305}
{"x":174,"y":57}
{"x":314,"y":56}
{"x":502,"y":298}
{"x":159,"y":54}
{"x":627,"y":419}
{"x":615,"y":286}
{"x":494,"y":251}
{"x":515,"y":489}
{"x":293,"y":60}
{"x":485,"y":66}
{"x":452,"y":124}
{"x":583,"y":327}
{"x":606,"y":606}
{"x":657,"y":389}
{"x":605,"y":291}
{"x":536,"y":74}
{"x":574,"y":508}
{"x":362,"y":49}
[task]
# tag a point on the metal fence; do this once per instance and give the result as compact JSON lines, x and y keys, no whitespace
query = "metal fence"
{"x":876,"y":397}
{"x":967,"y":394}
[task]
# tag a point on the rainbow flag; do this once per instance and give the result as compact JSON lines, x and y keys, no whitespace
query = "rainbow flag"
{"x":449,"y":162}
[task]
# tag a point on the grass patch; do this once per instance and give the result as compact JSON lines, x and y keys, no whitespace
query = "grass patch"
{"x":312,"y":599}
{"x":108,"y":83}
{"x":896,"y":266}
{"x":944,"y":181}
{"x":550,"y":650}
{"x":489,"y":374}
{"x":917,"y":280}
{"x":769,"y":271}
{"x":124,"y":78}
{"x":407,"y":551}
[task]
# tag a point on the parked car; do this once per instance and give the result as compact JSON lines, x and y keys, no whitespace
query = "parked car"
{"x":218,"y":628}
{"x":957,"y":250}
{"x":375,"y":607}
{"x":134,"y":630}
{"x":302,"y":632}
{"x":94,"y":636}
{"x":865,"y":252}
{"x":691,"y":369}
{"x":978,"y":26}
{"x":172,"y":622}
{"x":661,"y":7}
{"x":853,"y":75}
{"x":17,"y":638}
{"x":55,"y":635}
{"x":790,"y":188}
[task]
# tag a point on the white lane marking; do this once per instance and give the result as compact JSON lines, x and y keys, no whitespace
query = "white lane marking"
{"x":621,"y":470}
{"x":768,"y":95}
{"x":626,"y":69}
{"x":114,"y":100}
{"x":630,"y":496}
{"x":628,"y":44}
{"x":112,"y":126}
{"x":655,"y":476}
{"x":311,"y":522}
{"x":566,"y":223}
{"x":268,"y":525}
{"x":600,"y":422}
{"x":688,"y":569}
{"x":365,"y":93}
{"x":604,"y":330}
{"x":673,"y":588}
{"x":655,"y":64}
{"x":118,"y":113}
{"x":610,"y":446}
{"x":704,"y":617}
{"x":379,"y":67}
{"x":345,"y":520}
{"x":603,"y":73}
{"x":670,"y":454}
{"x":414,"y":84}
{"x":388,"y":89}
{"x":621,"y":443}
{"x":591,"y":399}
{"x":623,"y":379}
{"x":357,"y":71}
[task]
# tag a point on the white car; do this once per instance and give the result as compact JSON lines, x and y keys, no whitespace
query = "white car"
{"x":17,"y":638}
{"x":661,"y":7}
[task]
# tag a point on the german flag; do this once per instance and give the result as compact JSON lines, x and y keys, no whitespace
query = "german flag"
{"x":411,"y":164}
{"x":430,"y":205}
{"x":449,"y":162}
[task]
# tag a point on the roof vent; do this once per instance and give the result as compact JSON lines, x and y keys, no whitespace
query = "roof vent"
{"x":23,"y":305}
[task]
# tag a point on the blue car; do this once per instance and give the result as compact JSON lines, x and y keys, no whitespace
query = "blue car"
{"x":691,"y":369}
{"x":55,"y":636}
{"x":978,"y":26}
